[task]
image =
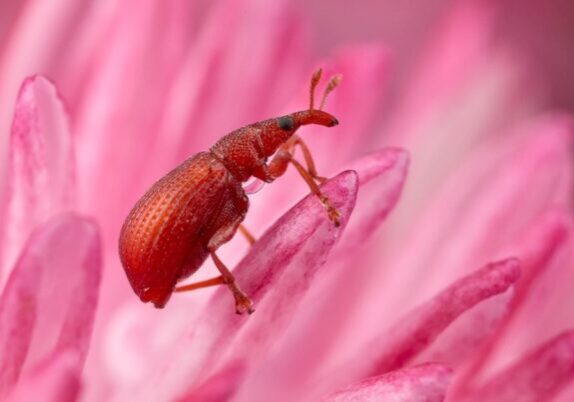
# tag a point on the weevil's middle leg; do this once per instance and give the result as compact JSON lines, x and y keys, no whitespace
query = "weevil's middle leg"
{"x":278,"y":166}
{"x":250,"y":238}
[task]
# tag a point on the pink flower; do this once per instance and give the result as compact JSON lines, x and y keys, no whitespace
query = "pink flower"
{"x":452,"y":272}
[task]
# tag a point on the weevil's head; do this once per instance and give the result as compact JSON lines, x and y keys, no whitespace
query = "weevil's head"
{"x":275,"y":132}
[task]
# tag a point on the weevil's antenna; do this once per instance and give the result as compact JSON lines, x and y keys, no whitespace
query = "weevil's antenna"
{"x":315,"y":78}
{"x":333,"y":83}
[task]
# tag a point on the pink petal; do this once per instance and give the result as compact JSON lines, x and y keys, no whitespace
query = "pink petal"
{"x":543,"y":293}
{"x":381,"y":178}
{"x":49,"y":302}
{"x":425,"y":383}
{"x":479,"y":330}
{"x":537,"y":376}
{"x":56,"y":380}
{"x":40,"y":180}
{"x":276,"y":275}
{"x":220,"y":387}
{"x":394,"y":348}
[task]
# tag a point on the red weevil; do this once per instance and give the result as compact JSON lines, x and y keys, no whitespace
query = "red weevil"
{"x":194,"y":209}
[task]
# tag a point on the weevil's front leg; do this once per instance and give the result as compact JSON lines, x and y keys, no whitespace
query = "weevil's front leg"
{"x":294,"y":141}
{"x":278,"y":166}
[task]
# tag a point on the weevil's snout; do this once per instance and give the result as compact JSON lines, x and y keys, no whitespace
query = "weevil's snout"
{"x":314,"y":117}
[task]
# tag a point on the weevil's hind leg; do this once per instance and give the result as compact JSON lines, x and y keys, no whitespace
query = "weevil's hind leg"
{"x":247,"y":234}
{"x":218,"y":280}
{"x":278,"y":166}
{"x":243,"y":303}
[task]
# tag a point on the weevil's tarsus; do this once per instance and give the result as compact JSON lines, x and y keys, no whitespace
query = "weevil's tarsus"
{"x":333,"y":83}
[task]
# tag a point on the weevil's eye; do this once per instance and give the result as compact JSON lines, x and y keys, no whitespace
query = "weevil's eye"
{"x":286,"y":123}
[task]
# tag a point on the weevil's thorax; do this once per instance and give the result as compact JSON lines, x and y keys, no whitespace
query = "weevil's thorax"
{"x":243,"y":151}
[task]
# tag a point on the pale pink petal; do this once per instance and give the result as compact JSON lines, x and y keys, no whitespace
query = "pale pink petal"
{"x":536,"y":377}
{"x":543,"y":292}
{"x":49,"y":302}
{"x":220,"y":387}
{"x":425,"y":383}
{"x":381,"y":178}
{"x":276,"y":274}
{"x":118,"y":114}
{"x":484,"y":324}
{"x":41,"y":166}
{"x":219,"y":89}
{"x":56,"y":380}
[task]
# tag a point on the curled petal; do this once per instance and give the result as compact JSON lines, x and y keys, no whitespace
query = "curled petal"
{"x":49,"y":302}
{"x":421,"y":327}
{"x":538,"y":376}
{"x":425,"y":383}
{"x":480,"y":332}
{"x":56,"y":380}
{"x":41,"y":166}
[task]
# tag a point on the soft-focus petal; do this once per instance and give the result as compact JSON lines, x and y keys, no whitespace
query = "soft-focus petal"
{"x":513,"y":184}
{"x":49,"y":302}
{"x":56,"y":380}
{"x":425,"y":383}
{"x":536,"y":377}
{"x":276,"y":274}
{"x":41,"y":166}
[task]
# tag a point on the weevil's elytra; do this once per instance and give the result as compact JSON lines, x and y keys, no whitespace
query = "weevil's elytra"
{"x":197,"y":207}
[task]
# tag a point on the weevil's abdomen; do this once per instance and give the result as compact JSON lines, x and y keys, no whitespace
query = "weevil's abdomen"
{"x":162,"y":240}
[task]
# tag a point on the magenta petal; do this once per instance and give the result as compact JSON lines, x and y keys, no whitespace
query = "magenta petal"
{"x":425,"y":383}
{"x":56,"y":380}
{"x":422,"y":326}
{"x":41,"y":167}
{"x":537,"y":376}
{"x":381,"y":178}
{"x":49,"y":302}
{"x":275,"y":274}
